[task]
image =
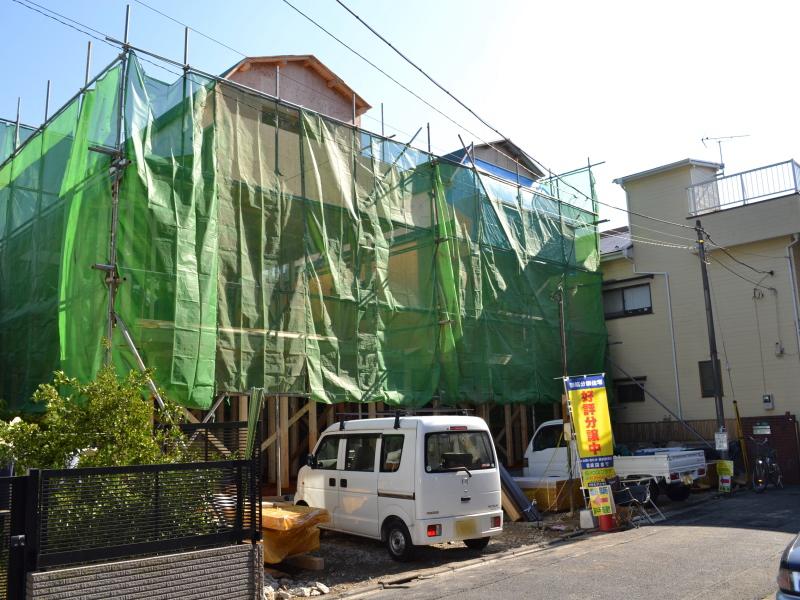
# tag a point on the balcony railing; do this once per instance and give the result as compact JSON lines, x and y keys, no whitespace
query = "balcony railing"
{"x":744,"y":188}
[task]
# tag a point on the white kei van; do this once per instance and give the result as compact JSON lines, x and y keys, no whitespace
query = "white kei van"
{"x":407,"y":481}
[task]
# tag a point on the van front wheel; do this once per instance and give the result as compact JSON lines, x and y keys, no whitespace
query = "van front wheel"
{"x":477,"y":543}
{"x":398,"y":542}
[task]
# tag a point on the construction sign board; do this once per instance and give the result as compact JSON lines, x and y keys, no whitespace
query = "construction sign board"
{"x":592,"y":425}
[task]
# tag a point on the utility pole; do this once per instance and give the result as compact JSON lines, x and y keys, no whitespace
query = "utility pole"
{"x":712,"y":338}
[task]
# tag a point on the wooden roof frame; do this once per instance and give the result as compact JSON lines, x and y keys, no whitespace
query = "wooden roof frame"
{"x":308,"y":61}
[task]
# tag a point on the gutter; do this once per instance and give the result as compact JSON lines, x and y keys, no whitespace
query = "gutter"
{"x":793,"y":285}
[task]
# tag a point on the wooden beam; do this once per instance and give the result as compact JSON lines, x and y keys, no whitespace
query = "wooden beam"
{"x":509,"y":429}
{"x":371,"y":410}
{"x":283,"y":429}
{"x":211,"y":438}
{"x":291,"y":421}
{"x":523,"y":428}
{"x":312,"y":425}
{"x":269,"y":408}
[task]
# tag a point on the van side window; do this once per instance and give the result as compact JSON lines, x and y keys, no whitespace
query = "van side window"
{"x":327,"y":452}
{"x":360,"y":453}
{"x":391,"y":453}
{"x":549,"y":437}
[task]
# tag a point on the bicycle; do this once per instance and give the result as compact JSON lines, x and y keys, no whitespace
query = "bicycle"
{"x":765,"y":467}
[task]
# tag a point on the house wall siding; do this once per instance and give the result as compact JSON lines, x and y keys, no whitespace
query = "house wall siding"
{"x":642,"y":344}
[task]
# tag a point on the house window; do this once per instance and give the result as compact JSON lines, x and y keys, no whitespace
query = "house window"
{"x":629,"y":390}
{"x":627,"y":301}
{"x":707,"y":378}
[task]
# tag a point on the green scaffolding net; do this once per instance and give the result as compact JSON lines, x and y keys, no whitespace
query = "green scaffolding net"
{"x":264,"y":246}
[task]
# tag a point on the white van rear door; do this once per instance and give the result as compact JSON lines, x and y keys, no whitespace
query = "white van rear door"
{"x":460,"y":474}
{"x":358,"y":486}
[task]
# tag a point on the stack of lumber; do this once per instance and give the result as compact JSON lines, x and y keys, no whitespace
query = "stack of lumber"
{"x":289,"y":530}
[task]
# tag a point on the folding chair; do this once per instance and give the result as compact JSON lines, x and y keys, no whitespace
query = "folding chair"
{"x":636,"y":496}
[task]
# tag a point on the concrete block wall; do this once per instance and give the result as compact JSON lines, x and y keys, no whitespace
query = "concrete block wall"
{"x":226,"y":572}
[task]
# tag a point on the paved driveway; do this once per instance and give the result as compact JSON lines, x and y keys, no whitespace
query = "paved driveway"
{"x":725,"y":548}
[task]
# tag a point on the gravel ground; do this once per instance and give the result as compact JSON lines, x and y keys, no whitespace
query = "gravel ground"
{"x":352,"y":561}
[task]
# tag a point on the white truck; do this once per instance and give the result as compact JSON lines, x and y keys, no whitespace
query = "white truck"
{"x":671,"y":470}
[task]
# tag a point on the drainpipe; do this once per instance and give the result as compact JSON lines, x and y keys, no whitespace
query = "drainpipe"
{"x":793,"y":285}
{"x":627,"y":254}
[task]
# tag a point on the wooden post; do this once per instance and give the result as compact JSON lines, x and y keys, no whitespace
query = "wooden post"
{"x":294,"y":438}
{"x":242,"y":405}
{"x":283,"y":441}
{"x":509,"y":433}
{"x":271,"y":427}
{"x":523,"y":428}
{"x":371,"y":410}
{"x":312,"y":425}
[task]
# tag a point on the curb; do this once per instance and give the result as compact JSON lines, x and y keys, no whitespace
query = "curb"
{"x":422,"y":574}
{"x":461,"y":566}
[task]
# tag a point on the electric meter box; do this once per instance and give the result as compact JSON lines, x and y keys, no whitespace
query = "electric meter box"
{"x":768,"y":402}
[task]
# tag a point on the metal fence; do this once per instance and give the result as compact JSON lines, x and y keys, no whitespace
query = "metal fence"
{"x":98,"y":514}
{"x":218,"y":441}
{"x":744,"y":188}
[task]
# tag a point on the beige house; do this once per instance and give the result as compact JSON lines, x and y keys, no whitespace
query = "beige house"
{"x":653,"y":293}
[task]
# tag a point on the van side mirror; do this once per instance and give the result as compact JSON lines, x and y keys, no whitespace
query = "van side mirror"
{"x":311,"y":461}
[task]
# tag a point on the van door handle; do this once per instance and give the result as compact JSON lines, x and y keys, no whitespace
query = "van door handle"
{"x":332,"y":481}
{"x":343,"y":483}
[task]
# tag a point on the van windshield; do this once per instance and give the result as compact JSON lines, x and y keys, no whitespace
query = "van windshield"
{"x":453,"y":450}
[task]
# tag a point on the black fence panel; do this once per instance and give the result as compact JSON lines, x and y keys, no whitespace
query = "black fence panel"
{"x":13,"y":493}
{"x":218,"y":441}
{"x":97,"y":514}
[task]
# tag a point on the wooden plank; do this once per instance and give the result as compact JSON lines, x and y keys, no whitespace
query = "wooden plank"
{"x":294,"y":418}
{"x":269,"y":407}
{"x":371,"y":410}
{"x":306,"y":562}
{"x":283,"y":428}
{"x":313,"y":433}
{"x":509,"y":432}
{"x":242,"y":406}
{"x":211,"y":438}
{"x":523,"y":429}
{"x":509,"y":507}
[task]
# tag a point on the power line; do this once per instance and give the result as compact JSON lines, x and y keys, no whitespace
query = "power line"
{"x":462,"y":127}
{"x":740,"y":276}
{"x":105,"y":40}
{"x":732,"y":257}
{"x":428,"y":77}
{"x":41,"y":12}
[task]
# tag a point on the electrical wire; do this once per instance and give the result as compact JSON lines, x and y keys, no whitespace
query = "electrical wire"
{"x":462,"y":127}
{"x":243,"y":55}
{"x":733,"y":258}
{"x":740,"y":276}
{"x":28,"y":4}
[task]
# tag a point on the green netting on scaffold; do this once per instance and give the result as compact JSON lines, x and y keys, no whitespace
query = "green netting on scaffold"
{"x":266,"y":246}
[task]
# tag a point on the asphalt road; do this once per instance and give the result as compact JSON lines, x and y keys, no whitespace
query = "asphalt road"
{"x":726,"y":548}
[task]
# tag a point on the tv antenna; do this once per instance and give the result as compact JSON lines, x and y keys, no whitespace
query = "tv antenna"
{"x":719,"y":141}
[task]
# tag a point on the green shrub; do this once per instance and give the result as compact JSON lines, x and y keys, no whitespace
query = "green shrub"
{"x":106,"y":422}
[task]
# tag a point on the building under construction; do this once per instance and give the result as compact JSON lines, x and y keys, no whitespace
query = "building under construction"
{"x":229,"y":240}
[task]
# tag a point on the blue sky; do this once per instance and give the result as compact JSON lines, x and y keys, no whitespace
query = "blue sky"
{"x":634,"y":84}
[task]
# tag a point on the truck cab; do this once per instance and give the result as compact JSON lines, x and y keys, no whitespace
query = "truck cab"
{"x":407,"y":481}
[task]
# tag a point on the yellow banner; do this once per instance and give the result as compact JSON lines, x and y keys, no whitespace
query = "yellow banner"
{"x":592,"y":426}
